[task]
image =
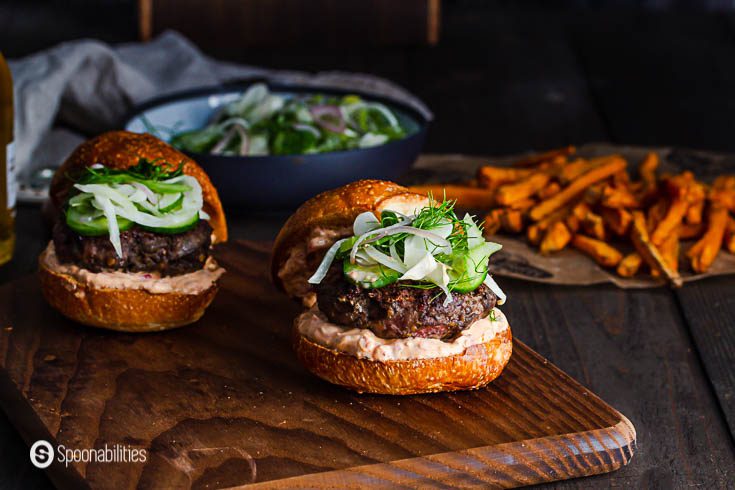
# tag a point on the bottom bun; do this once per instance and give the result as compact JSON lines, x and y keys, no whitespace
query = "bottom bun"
{"x":477,"y":366}
{"x":126,"y":310}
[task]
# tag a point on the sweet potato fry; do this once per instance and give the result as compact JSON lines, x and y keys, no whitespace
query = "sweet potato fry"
{"x":580,"y":210}
{"x":511,"y":220}
{"x":723,"y":191}
{"x":492,"y":222}
{"x":523,"y":204}
{"x":576,"y":187}
{"x":670,"y":251}
{"x":601,"y":252}
{"x":647,"y":168}
{"x":730,"y":235}
{"x":537,"y":158}
{"x":647,"y":173}
{"x":695,"y":197}
{"x":535,"y":231}
{"x":492,"y":177}
{"x":523,"y":189}
{"x":703,"y":253}
{"x":724,"y":182}
{"x":466,"y":197}
{"x":656,"y":213}
{"x":576,"y":215}
{"x":618,"y":220}
{"x":621,"y":179}
{"x":629,"y":266}
{"x":534,"y":234}
{"x":593,"y":225}
{"x":678,"y":188}
{"x":574,"y":169}
{"x":549,"y":190}
{"x":618,"y":197}
{"x":573,"y":223}
{"x":648,"y":251}
{"x":593,"y":194}
{"x":557,"y":237}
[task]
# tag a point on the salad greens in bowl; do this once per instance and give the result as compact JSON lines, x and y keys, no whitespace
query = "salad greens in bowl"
{"x":264,"y":123}
{"x":273,"y":147}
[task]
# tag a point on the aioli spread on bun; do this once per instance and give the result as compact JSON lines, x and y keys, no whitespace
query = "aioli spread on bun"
{"x":131,"y":247}
{"x":398,"y":294}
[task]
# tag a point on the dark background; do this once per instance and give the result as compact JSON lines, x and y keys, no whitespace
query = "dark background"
{"x":511,"y":76}
{"x":521,"y":74}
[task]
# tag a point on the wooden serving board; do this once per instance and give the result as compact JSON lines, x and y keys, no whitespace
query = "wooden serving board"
{"x":224,"y":403}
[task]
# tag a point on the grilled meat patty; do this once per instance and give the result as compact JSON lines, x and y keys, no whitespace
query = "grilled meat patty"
{"x":398,"y":311}
{"x":143,"y":251}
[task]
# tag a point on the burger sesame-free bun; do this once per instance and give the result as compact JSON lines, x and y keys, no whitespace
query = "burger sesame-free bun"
{"x":299,"y":248}
{"x":127,"y":310}
{"x":477,"y":366}
{"x":123,"y":149}
{"x":334,"y":210}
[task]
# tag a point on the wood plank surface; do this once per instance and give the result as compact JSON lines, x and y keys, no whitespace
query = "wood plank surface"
{"x":709,"y":309}
{"x":224,"y":402}
{"x":631,"y":347}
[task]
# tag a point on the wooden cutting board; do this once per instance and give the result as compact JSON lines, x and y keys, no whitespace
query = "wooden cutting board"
{"x":224,"y":403}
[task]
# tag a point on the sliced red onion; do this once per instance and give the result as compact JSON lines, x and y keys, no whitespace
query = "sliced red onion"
{"x":222,"y":144}
{"x":234,"y":121}
{"x":329,"y":117}
{"x":244,"y":140}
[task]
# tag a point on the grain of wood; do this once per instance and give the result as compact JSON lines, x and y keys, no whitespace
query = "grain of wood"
{"x":224,"y":403}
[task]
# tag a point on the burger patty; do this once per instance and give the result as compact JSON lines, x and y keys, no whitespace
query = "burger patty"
{"x":398,"y":311}
{"x":143,"y":251}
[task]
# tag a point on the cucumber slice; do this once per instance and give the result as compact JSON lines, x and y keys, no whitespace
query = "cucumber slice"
{"x":466,"y":283}
{"x":81,"y":223}
{"x":170,"y":202}
{"x":369,"y":277}
{"x":166,"y":188}
{"x":178,"y":224}
{"x":469,"y":270}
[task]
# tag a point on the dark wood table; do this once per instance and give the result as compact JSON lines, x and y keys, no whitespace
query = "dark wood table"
{"x":507,"y":79}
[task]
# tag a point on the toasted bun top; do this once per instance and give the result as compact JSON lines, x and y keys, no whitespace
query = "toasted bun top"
{"x":320,"y":221}
{"x":123,"y":149}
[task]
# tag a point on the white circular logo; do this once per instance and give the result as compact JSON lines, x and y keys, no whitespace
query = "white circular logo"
{"x":42,"y":454}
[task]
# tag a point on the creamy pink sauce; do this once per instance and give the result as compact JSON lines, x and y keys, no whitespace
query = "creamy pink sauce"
{"x":191,"y":283}
{"x":363,"y":343}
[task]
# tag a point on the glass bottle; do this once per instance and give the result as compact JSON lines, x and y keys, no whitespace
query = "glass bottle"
{"x":7,"y":170}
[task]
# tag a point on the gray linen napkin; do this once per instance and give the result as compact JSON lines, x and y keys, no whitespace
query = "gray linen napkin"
{"x":90,"y":86}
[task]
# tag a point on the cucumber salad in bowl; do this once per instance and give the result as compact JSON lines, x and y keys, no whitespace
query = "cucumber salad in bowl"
{"x":261,"y":122}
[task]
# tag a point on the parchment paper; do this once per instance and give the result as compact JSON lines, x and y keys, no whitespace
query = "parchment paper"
{"x":520,"y":260}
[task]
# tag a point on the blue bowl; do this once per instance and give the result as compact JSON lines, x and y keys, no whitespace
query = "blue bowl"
{"x":279,"y":182}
